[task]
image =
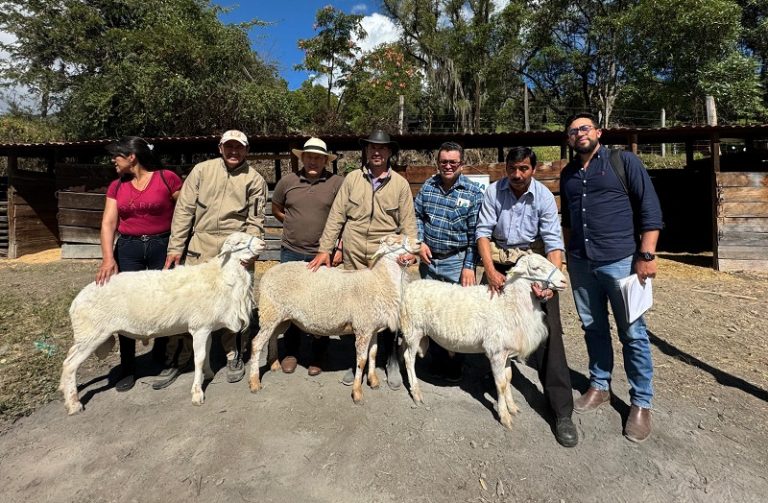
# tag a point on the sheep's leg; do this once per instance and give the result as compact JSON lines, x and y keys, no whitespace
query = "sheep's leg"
{"x":257,"y":345}
{"x":272,"y":361}
{"x":499,"y":375}
{"x":373,"y":348}
{"x":200,"y":345}
{"x":362,"y":343}
{"x":511,"y":407}
{"x":207,"y":370}
{"x":68,"y":383}
{"x":411,"y":348}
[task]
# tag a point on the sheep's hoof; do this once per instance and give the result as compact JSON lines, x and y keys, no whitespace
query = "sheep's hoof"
{"x":275,"y":367}
{"x":513,"y":409}
{"x":373,"y":381}
{"x":198,"y":400}
{"x":506,"y":421}
{"x":417,"y":398}
{"x":357,"y":396}
{"x":255,"y":384}
{"x":74,"y":408}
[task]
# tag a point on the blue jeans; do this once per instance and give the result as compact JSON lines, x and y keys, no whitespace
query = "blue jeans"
{"x":595,"y":284}
{"x":287,"y":255}
{"x":133,"y":254}
{"x":447,"y":269}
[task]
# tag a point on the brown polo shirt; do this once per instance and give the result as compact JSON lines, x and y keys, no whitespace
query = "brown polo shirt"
{"x":306,"y":208}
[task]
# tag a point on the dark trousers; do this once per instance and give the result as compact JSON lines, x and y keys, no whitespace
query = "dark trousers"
{"x":292,"y":336}
{"x":137,"y":254}
{"x":550,"y":360}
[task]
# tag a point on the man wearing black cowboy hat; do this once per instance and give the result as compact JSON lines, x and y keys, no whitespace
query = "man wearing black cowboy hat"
{"x":373,"y":202}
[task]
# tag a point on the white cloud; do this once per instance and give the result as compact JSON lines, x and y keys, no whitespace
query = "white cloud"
{"x":380,"y":30}
{"x":359,"y":8}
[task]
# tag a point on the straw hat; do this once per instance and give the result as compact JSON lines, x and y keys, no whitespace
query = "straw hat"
{"x":314,"y":146}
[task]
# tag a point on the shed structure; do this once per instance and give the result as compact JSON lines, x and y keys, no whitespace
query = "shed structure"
{"x":719,"y":203}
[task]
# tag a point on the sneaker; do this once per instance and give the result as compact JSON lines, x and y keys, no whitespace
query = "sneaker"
{"x":166,"y":378}
{"x":349,"y":377}
{"x":235,"y":369}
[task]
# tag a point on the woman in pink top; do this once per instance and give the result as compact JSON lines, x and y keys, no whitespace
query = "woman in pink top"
{"x":139,"y":208}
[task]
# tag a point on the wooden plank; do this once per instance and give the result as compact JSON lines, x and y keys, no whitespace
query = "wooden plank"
{"x":732,"y":265}
{"x":273,"y":232}
{"x":742,"y":252}
{"x":269,"y":255}
{"x":743,"y":210}
{"x":80,"y":218}
{"x":41,"y":212}
{"x":743,"y":239}
{"x":81,"y":200}
{"x":86,"y":235}
{"x":742,"y":179}
{"x":743,"y":224}
{"x":88,"y":251}
{"x":744,"y":194}
{"x":270,"y":221}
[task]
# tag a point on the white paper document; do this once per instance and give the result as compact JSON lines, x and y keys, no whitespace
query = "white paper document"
{"x":637,"y":298}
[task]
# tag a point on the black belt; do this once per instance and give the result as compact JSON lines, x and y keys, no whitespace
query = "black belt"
{"x":444,"y":255}
{"x":146,"y":237}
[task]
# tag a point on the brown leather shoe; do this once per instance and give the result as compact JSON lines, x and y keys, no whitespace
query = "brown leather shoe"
{"x":289,"y":364}
{"x":638,"y":427}
{"x":314,"y":370}
{"x":591,"y":400}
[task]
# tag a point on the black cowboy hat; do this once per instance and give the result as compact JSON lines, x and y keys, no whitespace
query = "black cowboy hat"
{"x":379,"y":137}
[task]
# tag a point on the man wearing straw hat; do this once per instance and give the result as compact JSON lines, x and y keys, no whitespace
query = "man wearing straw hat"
{"x":373,"y":201}
{"x":301,"y":201}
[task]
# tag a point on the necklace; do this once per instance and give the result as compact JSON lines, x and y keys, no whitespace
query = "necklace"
{"x":140,"y":190}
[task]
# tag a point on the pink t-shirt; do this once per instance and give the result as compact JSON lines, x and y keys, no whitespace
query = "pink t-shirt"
{"x":147,"y":211}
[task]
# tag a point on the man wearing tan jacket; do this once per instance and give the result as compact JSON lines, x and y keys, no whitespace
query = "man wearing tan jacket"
{"x":373,"y":202}
{"x":219,"y":197}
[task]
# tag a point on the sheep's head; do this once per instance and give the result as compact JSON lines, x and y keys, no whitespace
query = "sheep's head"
{"x":396,"y":245}
{"x":242,"y":246}
{"x":534,"y":267}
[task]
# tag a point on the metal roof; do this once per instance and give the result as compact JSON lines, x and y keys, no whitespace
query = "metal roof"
{"x":346,"y":142}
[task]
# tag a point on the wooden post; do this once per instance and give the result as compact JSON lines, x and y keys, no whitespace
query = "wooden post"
{"x":711,"y":111}
{"x":633,"y":143}
{"x":500,"y":154}
{"x":525,"y":107}
{"x":402,"y":113}
{"x":13,"y":167}
{"x":335,"y":163}
{"x":564,"y":150}
{"x":663,"y":125}
{"x":689,"y":153}
{"x":714,"y":143}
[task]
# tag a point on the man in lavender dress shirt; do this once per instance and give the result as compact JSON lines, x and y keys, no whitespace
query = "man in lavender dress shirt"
{"x":517,"y":215}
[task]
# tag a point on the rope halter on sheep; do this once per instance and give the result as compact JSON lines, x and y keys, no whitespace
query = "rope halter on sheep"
{"x":545,"y":281}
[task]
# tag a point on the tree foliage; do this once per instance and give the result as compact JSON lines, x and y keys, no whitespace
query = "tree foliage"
{"x":146,"y":67}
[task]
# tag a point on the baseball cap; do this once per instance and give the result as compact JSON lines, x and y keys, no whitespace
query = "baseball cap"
{"x":234,"y":134}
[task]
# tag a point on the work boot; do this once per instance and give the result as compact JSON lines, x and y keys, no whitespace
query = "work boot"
{"x":591,"y":400}
{"x":125,"y":384}
{"x":349,"y":377}
{"x":565,"y":432}
{"x":638,"y":427}
{"x":288,"y":365}
{"x":166,"y":378}
{"x":235,"y":369}
{"x":394,"y":379}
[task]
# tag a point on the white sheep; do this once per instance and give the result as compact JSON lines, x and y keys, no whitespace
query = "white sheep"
{"x":333,"y":301}
{"x":469,"y":320}
{"x":142,"y":305}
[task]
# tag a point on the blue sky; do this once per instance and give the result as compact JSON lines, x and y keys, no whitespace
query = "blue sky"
{"x":293,"y":20}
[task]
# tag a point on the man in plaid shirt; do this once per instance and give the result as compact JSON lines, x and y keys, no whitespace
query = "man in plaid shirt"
{"x":447,"y":207}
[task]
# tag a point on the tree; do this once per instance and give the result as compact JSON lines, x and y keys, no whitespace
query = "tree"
{"x":451,"y":39}
{"x":332,"y":51}
{"x":161,"y":67}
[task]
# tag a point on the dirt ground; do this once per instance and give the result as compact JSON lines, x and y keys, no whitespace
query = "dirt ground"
{"x":302,"y":438}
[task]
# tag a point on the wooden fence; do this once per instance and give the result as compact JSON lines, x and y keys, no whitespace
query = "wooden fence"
{"x":742,"y":221}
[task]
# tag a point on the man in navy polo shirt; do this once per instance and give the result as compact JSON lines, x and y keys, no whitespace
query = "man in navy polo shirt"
{"x":599,"y":215}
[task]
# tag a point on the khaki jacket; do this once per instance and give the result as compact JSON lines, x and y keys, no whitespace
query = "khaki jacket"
{"x":367,"y":216}
{"x":213,"y":203}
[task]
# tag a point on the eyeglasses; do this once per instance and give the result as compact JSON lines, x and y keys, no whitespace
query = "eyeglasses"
{"x":586,"y":128}
{"x":449,"y":163}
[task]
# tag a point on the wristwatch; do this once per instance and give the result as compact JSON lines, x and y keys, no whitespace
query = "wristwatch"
{"x":646,"y":256}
